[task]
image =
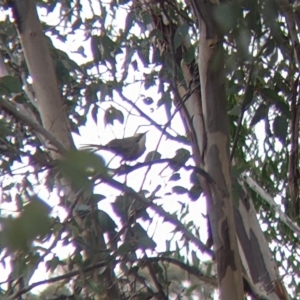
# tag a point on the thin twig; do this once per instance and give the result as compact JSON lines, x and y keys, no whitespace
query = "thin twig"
{"x":241,"y":116}
{"x":156,"y":125}
{"x":161,"y":212}
{"x":152,"y":275}
{"x":64,"y":224}
{"x":243,"y":105}
{"x":125,"y":169}
{"x":61,"y":277}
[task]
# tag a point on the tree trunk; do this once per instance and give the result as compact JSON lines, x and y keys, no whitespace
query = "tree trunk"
{"x":51,"y":108}
{"x":206,"y":110}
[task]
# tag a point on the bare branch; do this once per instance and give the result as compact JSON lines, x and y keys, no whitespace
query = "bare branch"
{"x":269,"y":199}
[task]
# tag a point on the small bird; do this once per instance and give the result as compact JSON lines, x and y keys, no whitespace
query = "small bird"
{"x":130,"y":148}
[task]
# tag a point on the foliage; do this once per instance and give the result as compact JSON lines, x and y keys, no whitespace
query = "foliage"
{"x":121,"y":74}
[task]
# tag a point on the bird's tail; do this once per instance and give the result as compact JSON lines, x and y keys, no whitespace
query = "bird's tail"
{"x":91,"y":147}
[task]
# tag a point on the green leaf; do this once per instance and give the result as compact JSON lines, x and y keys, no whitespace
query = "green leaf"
{"x":53,"y":264}
{"x":91,"y":92}
{"x":20,"y":98}
{"x":4,"y":129}
{"x":109,"y":49}
{"x":143,"y":240}
{"x":152,"y":155}
{"x":283,"y":108}
{"x":20,"y":232}
{"x":112,"y":114}
{"x":180,"y":34}
{"x":195,"y":192}
{"x":237,"y":191}
{"x":180,"y":190}
{"x":149,"y":81}
{"x":238,"y":169}
{"x":78,"y":166}
{"x":248,"y":97}
{"x":280,"y":128}
{"x":62,"y":73}
{"x":106,"y":223}
{"x":19,"y":202}
{"x":260,"y":114}
{"x":235,"y":111}
{"x":134,"y":65}
{"x":181,"y":157}
{"x":123,"y":205}
{"x":127,"y":60}
{"x":10,"y":84}
{"x":195,"y":259}
{"x":76,"y":24}
{"x":194,"y":178}
{"x":191,"y":289}
{"x":156,"y":33}
{"x":124,"y":249}
{"x":271,"y":95}
{"x":98,"y":197}
{"x":94,"y":113}
{"x":95,"y":42}
{"x":146,"y":243}
{"x":81,"y":51}
{"x":130,"y":18}
{"x":252,"y":19}
{"x":227,"y":16}
{"x":243,"y":40}
{"x":146,"y":17}
{"x":9,"y":187}
{"x":175,"y":177}
{"x":148,"y":100}
{"x":269,"y":47}
{"x":190,"y":55}
{"x":166,"y":100}
{"x":209,"y":269}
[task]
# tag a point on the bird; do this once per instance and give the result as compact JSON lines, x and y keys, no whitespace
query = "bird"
{"x":129,"y":148}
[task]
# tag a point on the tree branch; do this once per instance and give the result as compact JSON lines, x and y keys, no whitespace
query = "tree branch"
{"x":269,"y":199}
{"x":35,"y":126}
{"x":58,"y":278}
{"x":161,"y":212}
